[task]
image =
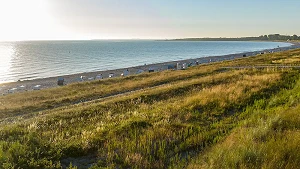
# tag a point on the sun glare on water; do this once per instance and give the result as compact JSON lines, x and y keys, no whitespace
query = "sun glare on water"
{"x":6,"y":52}
{"x":25,"y":20}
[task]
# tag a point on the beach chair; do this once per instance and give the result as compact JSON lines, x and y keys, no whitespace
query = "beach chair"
{"x":139,"y":71}
{"x":151,"y":69}
{"x":110,"y":75}
{"x":184,"y":66}
{"x":170,"y":67}
{"x":37,"y":87}
{"x":83,"y":78}
{"x":13,"y":90}
{"x":178,"y":67}
{"x":60,"y":81}
{"x":125,"y":73}
{"x":99,"y":77}
{"x":22,"y":87}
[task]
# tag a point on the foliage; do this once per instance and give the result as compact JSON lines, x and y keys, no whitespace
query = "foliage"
{"x":271,"y":37}
{"x":202,"y":117}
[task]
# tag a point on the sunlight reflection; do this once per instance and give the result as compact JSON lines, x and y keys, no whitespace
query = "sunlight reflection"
{"x":6,"y":54}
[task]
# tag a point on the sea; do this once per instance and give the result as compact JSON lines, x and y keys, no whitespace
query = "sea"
{"x":27,"y":60}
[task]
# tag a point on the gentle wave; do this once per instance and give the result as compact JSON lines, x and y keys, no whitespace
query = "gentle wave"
{"x":30,"y":60}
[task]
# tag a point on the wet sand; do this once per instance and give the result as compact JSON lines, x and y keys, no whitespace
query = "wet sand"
{"x":27,"y":85}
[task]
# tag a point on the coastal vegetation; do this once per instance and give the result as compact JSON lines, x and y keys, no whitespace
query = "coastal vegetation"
{"x":207,"y":116}
{"x":271,"y":37}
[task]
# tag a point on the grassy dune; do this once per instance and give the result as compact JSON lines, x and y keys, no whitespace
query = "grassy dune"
{"x":203,"y":117}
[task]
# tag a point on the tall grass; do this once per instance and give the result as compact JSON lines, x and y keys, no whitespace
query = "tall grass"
{"x":269,"y":138}
{"x":203,"y":117}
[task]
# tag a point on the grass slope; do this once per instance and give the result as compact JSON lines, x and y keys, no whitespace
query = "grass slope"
{"x":203,"y":117}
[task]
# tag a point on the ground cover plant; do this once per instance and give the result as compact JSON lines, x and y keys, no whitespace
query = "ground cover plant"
{"x":207,"y":116}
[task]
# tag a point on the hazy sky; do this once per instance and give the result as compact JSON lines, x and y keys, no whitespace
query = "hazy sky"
{"x":145,"y":19}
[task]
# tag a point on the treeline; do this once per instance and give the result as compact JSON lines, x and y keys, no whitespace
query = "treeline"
{"x":271,"y":37}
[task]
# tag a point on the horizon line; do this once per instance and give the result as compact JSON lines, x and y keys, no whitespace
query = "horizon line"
{"x":104,"y":39}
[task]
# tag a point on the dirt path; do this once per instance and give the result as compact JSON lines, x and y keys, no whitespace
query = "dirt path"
{"x":45,"y":112}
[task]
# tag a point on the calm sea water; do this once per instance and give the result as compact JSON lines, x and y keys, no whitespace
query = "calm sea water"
{"x":40,"y":59}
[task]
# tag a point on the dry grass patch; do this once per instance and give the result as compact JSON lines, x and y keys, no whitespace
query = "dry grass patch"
{"x":293,"y":59}
{"x":270,"y":139}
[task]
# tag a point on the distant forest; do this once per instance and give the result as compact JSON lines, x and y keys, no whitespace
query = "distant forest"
{"x":271,"y":37}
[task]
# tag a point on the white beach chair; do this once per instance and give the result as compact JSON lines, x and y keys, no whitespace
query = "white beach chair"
{"x":13,"y":90}
{"x":83,"y":78}
{"x":184,"y":66}
{"x":37,"y":87}
{"x":178,"y":67}
{"x":111,"y":75}
{"x":22,"y":87}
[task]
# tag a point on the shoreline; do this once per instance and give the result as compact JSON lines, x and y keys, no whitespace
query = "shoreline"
{"x":51,"y":82}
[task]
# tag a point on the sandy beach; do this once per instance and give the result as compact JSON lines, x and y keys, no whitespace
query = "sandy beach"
{"x":39,"y":84}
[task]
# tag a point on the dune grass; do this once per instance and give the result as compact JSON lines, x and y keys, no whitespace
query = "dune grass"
{"x":203,"y":117}
{"x":24,"y":103}
{"x":269,"y":138}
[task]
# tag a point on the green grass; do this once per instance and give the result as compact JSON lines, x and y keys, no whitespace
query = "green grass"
{"x":269,"y":138}
{"x":203,"y":117}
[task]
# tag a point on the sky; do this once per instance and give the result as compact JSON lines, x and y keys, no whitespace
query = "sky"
{"x":145,"y":19}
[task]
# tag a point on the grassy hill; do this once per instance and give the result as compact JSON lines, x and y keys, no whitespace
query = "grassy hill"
{"x":203,"y":117}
